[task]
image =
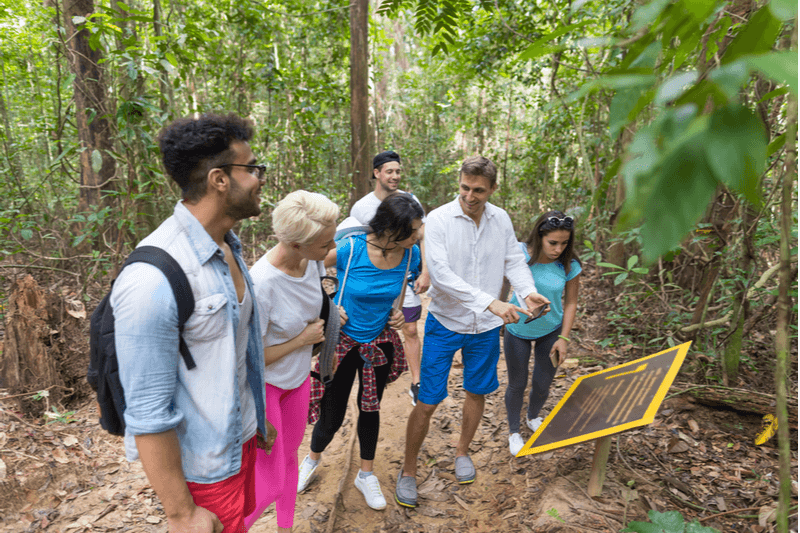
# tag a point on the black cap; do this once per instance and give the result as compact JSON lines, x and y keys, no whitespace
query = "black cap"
{"x":384,"y":157}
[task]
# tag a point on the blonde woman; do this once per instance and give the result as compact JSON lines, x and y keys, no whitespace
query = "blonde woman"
{"x":289,"y":299}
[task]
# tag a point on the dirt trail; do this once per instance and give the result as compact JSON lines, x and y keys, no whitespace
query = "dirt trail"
{"x":69,"y":476}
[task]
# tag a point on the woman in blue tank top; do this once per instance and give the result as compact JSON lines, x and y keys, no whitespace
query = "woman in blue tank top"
{"x":556,"y":269}
{"x":369,"y":346}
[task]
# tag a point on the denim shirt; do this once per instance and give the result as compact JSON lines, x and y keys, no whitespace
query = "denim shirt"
{"x":202,"y":404}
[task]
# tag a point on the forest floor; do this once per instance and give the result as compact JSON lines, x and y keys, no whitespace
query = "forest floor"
{"x":68,"y":475}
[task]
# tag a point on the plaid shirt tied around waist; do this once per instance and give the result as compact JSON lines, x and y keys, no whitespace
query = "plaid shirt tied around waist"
{"x":373,"y":356}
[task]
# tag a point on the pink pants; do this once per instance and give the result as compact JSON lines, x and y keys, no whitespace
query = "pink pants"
{"x":276,"y":473}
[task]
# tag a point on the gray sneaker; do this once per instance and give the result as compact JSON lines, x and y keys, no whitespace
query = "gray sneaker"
{"x":405,"y":492}
{"x":465,"y":470}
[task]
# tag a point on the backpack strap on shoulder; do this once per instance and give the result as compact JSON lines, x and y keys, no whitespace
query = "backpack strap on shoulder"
{"x":181,"y":289}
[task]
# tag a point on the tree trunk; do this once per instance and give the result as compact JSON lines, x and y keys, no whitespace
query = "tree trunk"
{"x":359,"y":99}
{"x":744,"y":400}
{"x":165,"y":87}
{"x":92,"y":109}
{"x":10,"y":147}
{"x":26,"y":362}
{"x":782,"y":335}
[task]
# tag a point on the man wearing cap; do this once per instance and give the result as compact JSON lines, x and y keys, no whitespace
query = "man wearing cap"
{"x":386,"y":174}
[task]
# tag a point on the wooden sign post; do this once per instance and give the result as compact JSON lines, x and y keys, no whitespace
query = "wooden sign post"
{"x":602,"y":404}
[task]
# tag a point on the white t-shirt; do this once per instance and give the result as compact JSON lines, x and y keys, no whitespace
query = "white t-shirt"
{"x":364,"y":211}
{"x":286,"y":305}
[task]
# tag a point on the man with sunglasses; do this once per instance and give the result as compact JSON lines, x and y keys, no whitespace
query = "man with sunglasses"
{"x":196,"y":430}
{"x":471,"y":245}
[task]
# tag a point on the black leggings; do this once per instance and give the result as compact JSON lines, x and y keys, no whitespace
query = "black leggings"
{"x":333,"y":404}
{"x":518,"y":354}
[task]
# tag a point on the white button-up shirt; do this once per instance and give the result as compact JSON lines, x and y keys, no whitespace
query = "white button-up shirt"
{"x":467,"y":263}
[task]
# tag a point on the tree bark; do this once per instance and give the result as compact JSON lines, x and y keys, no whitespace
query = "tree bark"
{"x":26,"y":361}
{"x":92,"y":109}
{"x":785,"y":309}
{"x":359,"y":100}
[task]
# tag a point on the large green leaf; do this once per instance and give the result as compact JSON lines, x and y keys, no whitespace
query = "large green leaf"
{"x":736,"y":149}
{"x":675,"y":86}
{"x":648,"y":13}
{"x":731,"y":77}
{"x":757,"y":37}
{"x":682,"y":188}
{"x":779,"y":66}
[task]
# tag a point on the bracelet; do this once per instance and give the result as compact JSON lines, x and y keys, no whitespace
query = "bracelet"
{"x":563,"y":337}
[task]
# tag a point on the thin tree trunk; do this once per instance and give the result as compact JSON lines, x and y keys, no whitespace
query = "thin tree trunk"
{"x":165,"y":87}
{"x":10,"y":147}
{"x":785,"y":309}
{"x":92,"y":109}
{"x":359,"y":99}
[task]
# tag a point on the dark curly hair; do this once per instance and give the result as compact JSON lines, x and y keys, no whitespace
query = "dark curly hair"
{"x":539,"y":231}
{"x":191,"y":147}
{"x":395,"y":215}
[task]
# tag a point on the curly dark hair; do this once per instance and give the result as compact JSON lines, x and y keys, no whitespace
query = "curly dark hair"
{"x":191,"y":147}
{"x":540,"y":229}
{"x":395,"y":215}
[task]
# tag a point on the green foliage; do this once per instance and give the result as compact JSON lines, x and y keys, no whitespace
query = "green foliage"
{"x":622,"y":273}
{"x":669,"y":522}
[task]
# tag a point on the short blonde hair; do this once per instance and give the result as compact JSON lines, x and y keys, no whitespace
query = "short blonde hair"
{"x":301,"y":216}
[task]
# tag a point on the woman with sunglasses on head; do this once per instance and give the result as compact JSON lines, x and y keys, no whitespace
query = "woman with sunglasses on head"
{"x":556,"y":269}
{"x":372,"y":272}
{"x":289,"y":298}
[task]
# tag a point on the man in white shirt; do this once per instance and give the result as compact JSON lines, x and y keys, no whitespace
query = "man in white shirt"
{"x":470,"y":246}
{"x":387,"y":173}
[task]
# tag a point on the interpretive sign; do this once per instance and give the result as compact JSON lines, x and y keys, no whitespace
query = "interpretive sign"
{"x":609,"y":401}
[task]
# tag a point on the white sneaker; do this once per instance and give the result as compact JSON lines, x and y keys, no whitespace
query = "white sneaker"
{"x":535,"y":423}
{"x":371,"y":489}
{"x":515,"y":443}
{"x":306,"y":473}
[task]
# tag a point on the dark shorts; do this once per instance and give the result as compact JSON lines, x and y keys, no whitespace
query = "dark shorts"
{"x":412,"y":314}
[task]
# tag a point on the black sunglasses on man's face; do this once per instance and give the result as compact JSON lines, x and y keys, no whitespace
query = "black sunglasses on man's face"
{"x":256,"y":170}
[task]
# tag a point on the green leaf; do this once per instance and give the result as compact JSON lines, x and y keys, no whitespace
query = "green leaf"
{"x":640,"y":270}
{"x":620,"y":278}
{"x":730,"y":78}
{"x":540,"y":47}
{"x":675,"y":86}
{"x":736,"y":149}
{"x":757,"y":37}
{"x":779,"y":66}
{"x":27,"y":234}
{"x":681,"y":189}
{"x":97,"y":160}
{"x":784,"y":10}
{"x":172,"y":59}
{"x":776,"y":144}
{"x":671,"y":521}
{"x":632,"y":260}
{"x":609,"y":265}
{"x":695,"y":527}
{"x":647,"y":14}
{"x":78,"y":20}
{"x":643,"y":527}
{"x":699,"y":9}
{"x":773,"y":94}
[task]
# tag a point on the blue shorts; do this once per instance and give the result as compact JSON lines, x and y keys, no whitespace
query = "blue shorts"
{"x":480,"y":353}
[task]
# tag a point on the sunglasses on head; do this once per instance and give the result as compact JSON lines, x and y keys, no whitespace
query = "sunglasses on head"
{"x":556,"y":223}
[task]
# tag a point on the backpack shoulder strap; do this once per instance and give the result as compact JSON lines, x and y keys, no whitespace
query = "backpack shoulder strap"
{"x":177,"y":279}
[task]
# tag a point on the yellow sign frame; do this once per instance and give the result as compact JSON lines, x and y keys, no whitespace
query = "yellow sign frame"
{"x":647,"y":418}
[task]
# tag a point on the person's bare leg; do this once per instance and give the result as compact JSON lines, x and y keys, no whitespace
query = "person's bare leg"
{"x":471,"y":419}
{"x":413,"y":348}
{"x":416,"y":430}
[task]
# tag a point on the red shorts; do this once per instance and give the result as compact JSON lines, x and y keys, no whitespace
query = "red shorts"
{"x":231,"y":499}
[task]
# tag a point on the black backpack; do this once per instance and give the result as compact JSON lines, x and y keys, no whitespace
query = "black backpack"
{"x":103,"y":374}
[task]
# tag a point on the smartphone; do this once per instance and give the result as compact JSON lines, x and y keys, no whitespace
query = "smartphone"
{"x":535,"y":316}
